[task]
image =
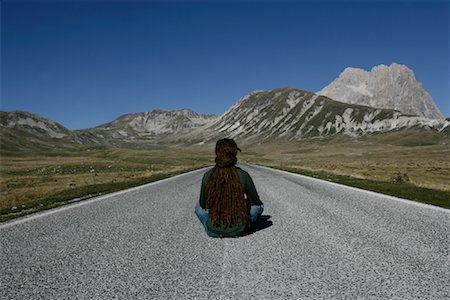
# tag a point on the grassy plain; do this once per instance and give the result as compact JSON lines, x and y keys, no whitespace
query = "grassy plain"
{"x":31,"y":182}
{"x":424,"y":170}
{"x":426,"y":166}
{"x":38,"y":181}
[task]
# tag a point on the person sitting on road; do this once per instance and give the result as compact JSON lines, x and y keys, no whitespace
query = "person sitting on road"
{"x":229,"y":204}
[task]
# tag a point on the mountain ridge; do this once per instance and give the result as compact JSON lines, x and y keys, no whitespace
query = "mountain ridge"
{"x":287,"y":114}
{"x":279,"y":114}
{"x":293,"y":114}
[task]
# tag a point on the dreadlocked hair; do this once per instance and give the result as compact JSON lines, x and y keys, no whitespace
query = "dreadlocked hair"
{"x":224,"y":191}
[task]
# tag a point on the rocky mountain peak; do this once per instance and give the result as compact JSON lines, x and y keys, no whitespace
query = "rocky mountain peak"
{"x":390,"y":87}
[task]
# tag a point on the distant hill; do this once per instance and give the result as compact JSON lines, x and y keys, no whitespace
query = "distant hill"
{"x":23,"y":131}
{"x":154,"y":126}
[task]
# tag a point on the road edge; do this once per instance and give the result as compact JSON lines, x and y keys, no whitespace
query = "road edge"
{"x":51,"y":211}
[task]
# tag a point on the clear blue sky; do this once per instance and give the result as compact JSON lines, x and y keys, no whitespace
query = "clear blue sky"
{"x":84,"y":63}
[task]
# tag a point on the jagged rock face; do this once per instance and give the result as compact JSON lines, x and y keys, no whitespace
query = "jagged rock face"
{"x":294,"y":114}
{"x":391,"y":87}
{"x":152,"y":124}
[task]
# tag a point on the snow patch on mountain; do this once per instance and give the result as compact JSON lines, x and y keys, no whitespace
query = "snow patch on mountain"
{"x":295,"y":114}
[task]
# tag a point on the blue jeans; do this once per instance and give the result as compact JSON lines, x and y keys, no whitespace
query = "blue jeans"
{"x":202,"y":214}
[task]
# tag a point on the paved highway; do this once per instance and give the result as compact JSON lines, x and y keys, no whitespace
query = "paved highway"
{"x":326,"y":241}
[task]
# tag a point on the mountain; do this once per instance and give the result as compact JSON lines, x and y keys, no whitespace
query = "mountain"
{"x":33,"y":124}
{"x":23,"y":131}
{"x":284,"y":114}
{"x":26,"y":131}
{"x":386,"y":99}
{"x":293,"y":114}
{"x":154,"y":126}
{"x":391,"y":87}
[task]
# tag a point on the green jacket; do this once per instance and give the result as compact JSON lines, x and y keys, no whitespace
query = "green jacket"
{"x":250,"y":192}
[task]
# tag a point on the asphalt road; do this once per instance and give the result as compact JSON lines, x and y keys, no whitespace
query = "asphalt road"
{"x":326,"y":241}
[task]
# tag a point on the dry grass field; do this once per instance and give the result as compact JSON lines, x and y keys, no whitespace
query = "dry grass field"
{"x":33,"y":182}
{"x":424,"y":166}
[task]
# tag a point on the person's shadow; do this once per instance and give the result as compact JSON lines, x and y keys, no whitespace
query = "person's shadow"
{"x":261,"y":223}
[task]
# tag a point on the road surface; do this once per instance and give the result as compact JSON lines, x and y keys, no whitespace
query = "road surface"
{"x":326,"y":241}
